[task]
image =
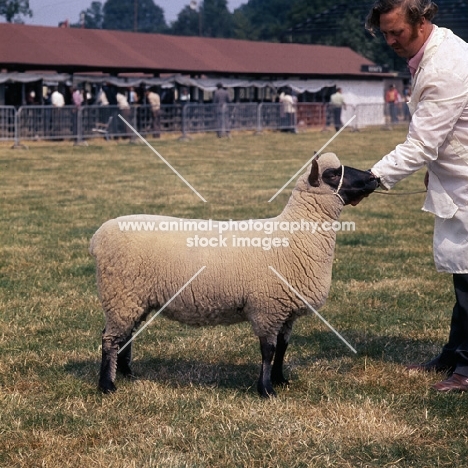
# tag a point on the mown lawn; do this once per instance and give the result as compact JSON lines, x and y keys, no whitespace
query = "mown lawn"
{"x":195,"y":403}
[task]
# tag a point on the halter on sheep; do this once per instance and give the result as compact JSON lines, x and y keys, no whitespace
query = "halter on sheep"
{"x":337,"y":191}
{"x":139,"y":271}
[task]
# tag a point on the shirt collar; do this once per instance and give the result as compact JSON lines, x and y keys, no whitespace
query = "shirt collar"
{"x":413,"y":62}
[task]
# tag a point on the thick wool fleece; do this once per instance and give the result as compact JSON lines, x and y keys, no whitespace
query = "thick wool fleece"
{"x":138,"y":271}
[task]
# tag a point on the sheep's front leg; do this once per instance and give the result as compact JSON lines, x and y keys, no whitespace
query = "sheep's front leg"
{"x":277,"y":376}
{"x":264,"y":385}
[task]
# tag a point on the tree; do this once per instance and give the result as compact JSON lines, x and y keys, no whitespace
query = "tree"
{"x":211,"y":19}
{"x":351,"y":33}
{"x":136,"y":15}
{"x":188,"y":23}
{"x":340,"y":24}
{"x":263,"y":20}
{"x":93,"y":16}
{"x":10,"y":9}
{"x":216,"y":19}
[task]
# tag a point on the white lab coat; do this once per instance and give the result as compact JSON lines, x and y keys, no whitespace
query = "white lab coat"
{"x":438,"y":139}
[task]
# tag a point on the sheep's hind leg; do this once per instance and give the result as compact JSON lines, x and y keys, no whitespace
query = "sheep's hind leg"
{"x":124,"y":358}
{"x":110,"y":348}
{"x":264,"y":385}
{"x":277,"y":376}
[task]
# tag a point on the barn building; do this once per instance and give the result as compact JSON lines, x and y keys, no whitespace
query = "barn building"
{"x":34,"y":57}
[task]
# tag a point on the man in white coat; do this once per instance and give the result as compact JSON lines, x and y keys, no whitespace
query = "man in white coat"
{"x":438,"y":140}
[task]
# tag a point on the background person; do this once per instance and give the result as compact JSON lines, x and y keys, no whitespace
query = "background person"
{"x":392,"y":98}
{"x":126,"y":112}
{"x":221,"y":97}
{"x":438,"y":140}
{"x":288,"y":105}
{"x":154,"y":101}
{"x":337,"y":103}
{"x":58,"y":102}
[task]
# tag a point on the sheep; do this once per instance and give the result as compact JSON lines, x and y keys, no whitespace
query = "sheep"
{"x":139,"y":271}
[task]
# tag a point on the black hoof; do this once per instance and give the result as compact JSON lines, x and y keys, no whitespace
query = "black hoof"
{"x":126,"y":372}
{"x":130,"y":376}
{"x":280,"y":381}
{"x":266,"y":392}
{"x":107,"y":388}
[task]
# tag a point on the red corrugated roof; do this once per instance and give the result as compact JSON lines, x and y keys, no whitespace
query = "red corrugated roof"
{"x":26,"y":47}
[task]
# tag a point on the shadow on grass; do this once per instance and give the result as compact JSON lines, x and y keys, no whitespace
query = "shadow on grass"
{"x":305,"y":349}
{"x":178,"y":373}
{"x":393,"y":349}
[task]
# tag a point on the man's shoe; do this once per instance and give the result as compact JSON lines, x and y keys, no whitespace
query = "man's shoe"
{"x":455,"y":383}
{"x":432,"y":366}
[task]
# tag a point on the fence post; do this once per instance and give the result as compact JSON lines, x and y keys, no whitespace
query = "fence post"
{"x":259,"y":129}
{"x":79,"y":128}
{"x":355,"y":123}
{"x":17,"y":144}
{"x":184,"y":136}
{"x":133,"y":135}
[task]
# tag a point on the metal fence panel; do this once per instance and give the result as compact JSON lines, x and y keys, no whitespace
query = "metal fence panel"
{"x":311,"y":114}
{"x":270,"y":116}
{"x":369,"y":115}
{"x":7,"y":122}
{"x":47,"y":122}
{"x":219,"y":118}
{"x":242,"y":116}
{"x":86,"y":122}
{"x":104,"y":121}
{"x":201,"y":118}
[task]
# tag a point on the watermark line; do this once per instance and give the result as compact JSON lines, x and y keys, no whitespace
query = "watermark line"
{"x":166,"y":162}
{"x":312,"y":158}
{"x":312,"y":309}
{"x":161,"y":309}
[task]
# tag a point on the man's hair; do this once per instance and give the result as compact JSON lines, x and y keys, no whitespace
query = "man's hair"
{"x":415,"y":10}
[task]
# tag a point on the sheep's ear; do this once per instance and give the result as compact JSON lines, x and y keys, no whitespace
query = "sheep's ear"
{"x":314,"y":174}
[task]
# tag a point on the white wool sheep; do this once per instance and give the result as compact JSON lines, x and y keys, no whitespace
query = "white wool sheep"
{"x":139,"y":271}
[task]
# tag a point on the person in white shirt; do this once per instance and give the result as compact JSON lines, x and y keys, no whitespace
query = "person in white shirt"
{"x":337,"y":103}
{"x":125,"y":111}
{"x":57,"y":98}
{"x":437,"y":140}
{"x":154,"y":101}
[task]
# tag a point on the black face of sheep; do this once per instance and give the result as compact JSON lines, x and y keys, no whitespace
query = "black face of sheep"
{"x":351,"y":185}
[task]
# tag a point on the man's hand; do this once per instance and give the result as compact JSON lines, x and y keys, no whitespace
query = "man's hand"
{"x":359,"y":200}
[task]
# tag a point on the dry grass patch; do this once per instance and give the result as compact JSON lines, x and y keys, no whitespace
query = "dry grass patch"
{"x":195,"y":403}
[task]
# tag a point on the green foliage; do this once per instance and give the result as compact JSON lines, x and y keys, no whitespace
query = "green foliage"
{"x":94,"y":16}
{"x":142,"y":16}
{"x":188,"y":23}
{"x":302,"y":9}
{"x":211,"y":19}
{"x":263,"y":20}
{"x":11,"y":9}
{"x":216,"y":19}
{"x":350,"y":32}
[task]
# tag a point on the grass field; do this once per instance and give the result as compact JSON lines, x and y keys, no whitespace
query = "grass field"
{"x":195,"y":403}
